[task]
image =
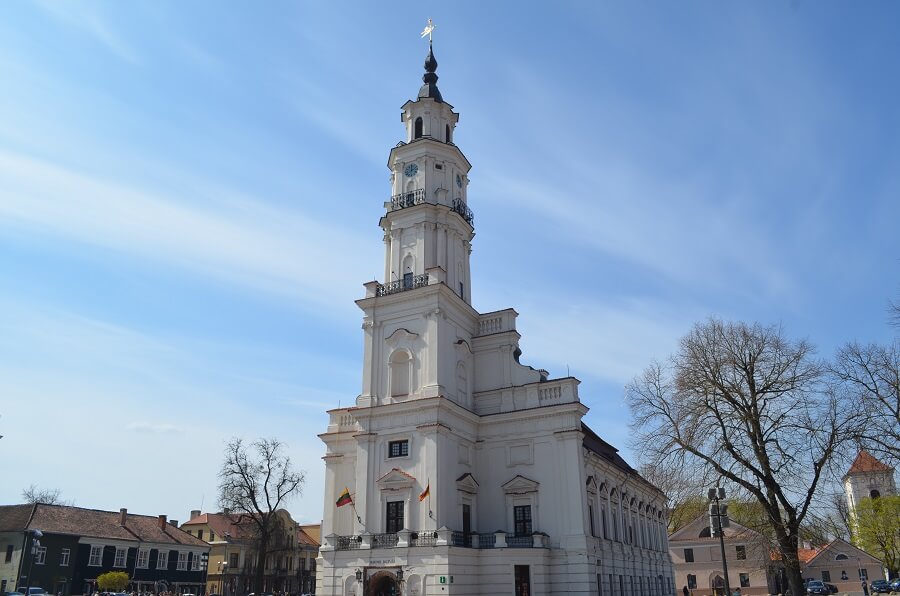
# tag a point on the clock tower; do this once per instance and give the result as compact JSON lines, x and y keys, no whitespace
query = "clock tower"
{"x":459,"y":469}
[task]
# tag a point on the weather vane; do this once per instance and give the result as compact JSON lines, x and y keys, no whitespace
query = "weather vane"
{"x":427,"y":30}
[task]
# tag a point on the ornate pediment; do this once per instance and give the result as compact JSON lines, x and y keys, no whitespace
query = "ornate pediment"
{"x":520,"y":486}
{"x":591,"y":484}
{"x":467,"y":483}
{"x":396,"y":479}
{"x":400,"y":335}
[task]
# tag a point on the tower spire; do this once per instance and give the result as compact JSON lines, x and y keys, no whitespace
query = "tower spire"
{"x":429,"y":89}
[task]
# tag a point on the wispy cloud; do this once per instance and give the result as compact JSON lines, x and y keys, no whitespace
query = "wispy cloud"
{"x":87,"y":17}
{"x":233,"y":237}
{"x":154,"y":429}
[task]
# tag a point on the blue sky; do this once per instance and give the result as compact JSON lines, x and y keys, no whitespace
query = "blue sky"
{"x":189,"y":197}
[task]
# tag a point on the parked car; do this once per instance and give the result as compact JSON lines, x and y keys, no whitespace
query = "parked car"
{"x":817,"y":587}
{"x":880,"y":586}
{"x":32,"y":590}
{"x":831,"y":588}
{"x":895,"y":585}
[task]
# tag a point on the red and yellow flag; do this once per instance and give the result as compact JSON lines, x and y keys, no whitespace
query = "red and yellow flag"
{"x":344,"y":498}
{"x":425,"y":492}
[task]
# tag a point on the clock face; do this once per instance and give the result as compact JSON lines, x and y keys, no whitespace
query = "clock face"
{"x":458,"y":181}
{"x":411,"y":170}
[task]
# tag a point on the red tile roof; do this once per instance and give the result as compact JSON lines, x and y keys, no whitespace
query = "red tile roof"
{"x":805,"y":555}
{"x":94,"y":523}
{"x":865,"y":462}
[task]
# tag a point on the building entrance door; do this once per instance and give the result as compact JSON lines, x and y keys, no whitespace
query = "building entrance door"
{"x":383,"y":584}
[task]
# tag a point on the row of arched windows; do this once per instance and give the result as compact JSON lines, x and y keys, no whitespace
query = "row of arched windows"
{"x":626,"y":519}
{"x":417,"y":130}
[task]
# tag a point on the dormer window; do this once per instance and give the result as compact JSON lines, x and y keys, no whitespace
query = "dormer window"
{"x":417,"y":128}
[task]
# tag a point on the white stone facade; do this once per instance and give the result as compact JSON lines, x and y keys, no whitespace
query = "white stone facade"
{"x":522,"y":497}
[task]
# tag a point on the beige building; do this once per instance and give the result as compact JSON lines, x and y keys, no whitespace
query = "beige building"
{"x":840,"y":563}
{"x":290,"y":565}
{"x":697,"y":559}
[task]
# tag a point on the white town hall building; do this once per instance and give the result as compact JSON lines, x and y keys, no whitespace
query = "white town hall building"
{"x":468,"y":472}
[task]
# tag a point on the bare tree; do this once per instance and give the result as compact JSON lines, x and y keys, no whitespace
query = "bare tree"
{"x":45,"y":496}
{"x":255,"y":485}
{"x":871,"y":374}
{"x":753,"y":407}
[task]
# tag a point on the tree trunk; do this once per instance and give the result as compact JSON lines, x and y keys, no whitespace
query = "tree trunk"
{"x":261,"y":553}
{"x":792,"y":572}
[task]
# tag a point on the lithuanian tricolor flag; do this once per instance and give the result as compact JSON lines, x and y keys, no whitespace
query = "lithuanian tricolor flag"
{"x":344,"y":498}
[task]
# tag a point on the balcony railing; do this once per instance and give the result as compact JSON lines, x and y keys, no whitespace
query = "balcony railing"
{"x":409,"y":282}
{"x":384,"y":540}
{"x":407,"y":199}
{"x":348,"y":542}
{"x":431,"y":538}
{"x":423,"y":539}
{"x":464,"y":211}
{"x":519,"y":541}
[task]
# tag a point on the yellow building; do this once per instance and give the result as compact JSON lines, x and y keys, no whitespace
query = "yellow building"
{"x":290,"y":562}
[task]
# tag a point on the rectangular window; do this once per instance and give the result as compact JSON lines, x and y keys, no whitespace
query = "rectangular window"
{"x":522,"y":520}
{"x":162,"y":559}
{"x":200,"y":534}
{"x":599,"y":585}
{"x":741,"y":551}
{"x":466,"y":519}
{"x":591,"y":518}
{"x":692,"y":581}
{"x":195,"y":561}
{"x":523,"y":580}
{"x":826,"y":575}
{"x":40,"y":556}
{"x":143,"y":558}
{"x":182,"y":561}
{"x":212,"y":536}
{"x":233,"y":564}
{"x":9,"y":552}
{"x":121,"y":554}
{"x":688,"y":555}
{"x":398,"y":448}
{"x":745,"y":580}
{"x":64,"y":557}
{"x":863,"y":574}
{"x":603,"y":522}
{"x":394,"y":517}
{"x":407,"y":280}
{"x":96,"y":558}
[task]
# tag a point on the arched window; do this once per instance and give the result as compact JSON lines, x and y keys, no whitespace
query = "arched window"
{"x":417,"y":134}
{"x":841,"y":557}
{"x":874,"y":493}
{"x":400,"y":373}
{"x":447,"y":134}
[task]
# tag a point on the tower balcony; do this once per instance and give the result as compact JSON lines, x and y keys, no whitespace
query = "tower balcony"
{"x":408,"y":282}
{"x":430,"y":538}
{"x":419,"y":196}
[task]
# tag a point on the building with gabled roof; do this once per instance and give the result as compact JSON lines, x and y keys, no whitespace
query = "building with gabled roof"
{"x":78,"y":544}
{"x":697,"y":559}
{"x":840,"y":563}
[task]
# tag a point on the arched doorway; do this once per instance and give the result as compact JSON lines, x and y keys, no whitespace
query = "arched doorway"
{"x":383,"y":583}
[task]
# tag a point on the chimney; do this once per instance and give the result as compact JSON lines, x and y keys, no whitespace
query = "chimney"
{"x":123,"y":515}
{"x":195,"y":513}
{"x":174,"y":522}
{"x":162,"y":522}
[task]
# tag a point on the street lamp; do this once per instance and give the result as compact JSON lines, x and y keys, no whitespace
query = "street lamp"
{"x":35,"y":545}
{"x":223,"y":569}
{"x":718,"y":521}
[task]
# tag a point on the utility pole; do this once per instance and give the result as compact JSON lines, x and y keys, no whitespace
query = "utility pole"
{"x":718,"y":521}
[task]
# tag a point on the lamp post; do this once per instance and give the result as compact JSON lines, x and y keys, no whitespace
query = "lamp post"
{"x":35,"y":544}
{"x":223,"y":570}
{"x":718,"y":521}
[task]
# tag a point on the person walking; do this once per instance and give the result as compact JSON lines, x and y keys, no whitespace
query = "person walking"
{"x":685,"y":591}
